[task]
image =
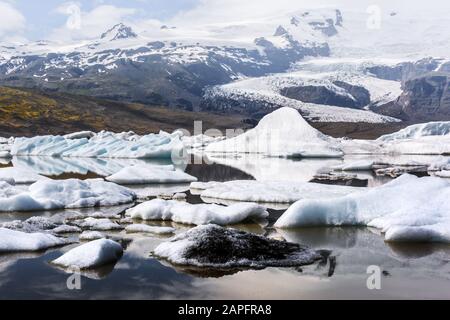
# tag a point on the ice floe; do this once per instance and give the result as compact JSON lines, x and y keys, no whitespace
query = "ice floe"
{"x":216,"y":247}
{"x":18,"y":241}
{"x":98,"y":224}
{"x":91,"y":235}
{"x":143,"y":228}
{"x":406,"y":209}
{"x":63,"y":194}
{"x":102,"y":145}
{"x":283,"y":133}
{"x":91,"y":255}
{"x":147,"y":174}
{"x":269,"y":191}
{"x":200,"y":214}
{"x":20,"y":175}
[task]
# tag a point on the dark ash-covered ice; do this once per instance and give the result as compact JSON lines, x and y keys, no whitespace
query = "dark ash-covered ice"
{"x":212,"y":246}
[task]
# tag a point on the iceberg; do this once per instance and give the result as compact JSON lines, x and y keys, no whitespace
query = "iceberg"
{"x":91,"y":255}
{"x":283,"y":133}
{"x":148,"y":174}
{"x":200,"y":214}
{"x":143,"y":228}
{"x":270,"y":191}
{"x":198,"y":247}
{"x":102,"y":145}
{"x":91,"y":235}
{"x":63,"y":194}
{"x":406,"y":209}
{"x":20,"y":175}
{"x":16,"y":241}
{"x":99,"y":224}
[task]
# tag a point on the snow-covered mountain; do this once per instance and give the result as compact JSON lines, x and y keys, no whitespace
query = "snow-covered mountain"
{"x":196,"y":67}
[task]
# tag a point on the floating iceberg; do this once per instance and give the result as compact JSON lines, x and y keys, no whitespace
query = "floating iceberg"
{"x":200,"y":214}
{"x":91,"y":255}
{"x":283,"y":133}
{"x":406,"y":209}
{"x":20,"y":175}
{"x":270,"y":191}
{"x":148,"y":174}
{"x":5,"y":154}
{"x":91,"y":235}
{"x":362,"y":165}
{"x":63,"y":194}
{"x":143,"y":228}
{"x":17,"y":241}
{"x":216,"y":247}
{"x":102,"y":145}
{"x":99,"y":224}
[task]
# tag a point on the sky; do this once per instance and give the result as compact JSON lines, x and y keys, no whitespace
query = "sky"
{"x":22,"y":20}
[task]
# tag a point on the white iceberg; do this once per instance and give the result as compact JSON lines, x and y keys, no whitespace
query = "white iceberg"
{"x":270,"y":191}
{"x":99,"y":224}
{"x":20,"y":175}
{"x":143,"y":228}
{"x":283,"y":133}
{"x":199,"y":214}
{"x":362,"y":165}
{"x":102,"y":145}
{"x":63,"y":194}
{"x":91,"y":255}
{"x":17,"y":241}
{"x":80,"y":135}
{"x":4,"y":154}
{"x":406,"y":209}
{"x":148,"y":174}
{"x":91,"y":235}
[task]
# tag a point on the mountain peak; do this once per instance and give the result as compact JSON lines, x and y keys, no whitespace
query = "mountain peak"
{"x":119,"y":31}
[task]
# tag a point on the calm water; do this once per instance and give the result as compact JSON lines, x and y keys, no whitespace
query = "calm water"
{"x":411,"y":271}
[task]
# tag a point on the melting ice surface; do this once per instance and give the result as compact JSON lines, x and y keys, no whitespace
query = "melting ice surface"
{"x":101,"y":145}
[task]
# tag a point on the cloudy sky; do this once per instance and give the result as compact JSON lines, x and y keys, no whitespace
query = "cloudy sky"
{"x":22,"y":20}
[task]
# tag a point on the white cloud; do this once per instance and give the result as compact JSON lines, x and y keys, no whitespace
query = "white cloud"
{"x":12,"y":22}
{"x":81,"y":25}
{"x":218,"y":11}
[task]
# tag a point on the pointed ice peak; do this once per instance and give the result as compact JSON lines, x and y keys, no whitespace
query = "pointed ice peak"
{"x":119,"y":31}
{"x":281,"y":31}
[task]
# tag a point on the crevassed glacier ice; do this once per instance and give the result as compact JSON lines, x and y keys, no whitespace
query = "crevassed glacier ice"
{"x":199,"y":214}
{"x":17,"y":241}
{"x":419,"y":131}
{"x":63,"y":194}
{"x":91,"y":255}
{"x":283,"y":133}
{"x":102,"y":145}
{"x":406,"y":209}
{"x":148,"y":174}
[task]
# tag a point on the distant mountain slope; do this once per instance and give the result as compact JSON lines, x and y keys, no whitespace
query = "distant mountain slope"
{"x":29,"y":112}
